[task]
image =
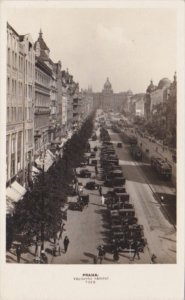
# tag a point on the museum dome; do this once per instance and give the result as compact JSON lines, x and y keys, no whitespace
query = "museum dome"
{"x":165,"y":82}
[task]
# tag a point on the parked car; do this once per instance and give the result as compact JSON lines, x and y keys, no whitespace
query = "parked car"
{"x":92,"y":155}
{"x":94,"y":137}
{"x":119,"y":189}
{"x":85,"y":173}
{"x":80,"y":187}
{"x":91,"y":185}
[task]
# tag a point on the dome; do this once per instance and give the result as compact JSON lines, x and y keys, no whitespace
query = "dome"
{"x":151,"y":87}
{"x":129,"y":93}
{"x":107,"y":85}
{"x":165,"y":82}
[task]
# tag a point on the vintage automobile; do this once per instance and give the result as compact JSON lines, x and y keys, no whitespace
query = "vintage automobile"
{"x":84,"y":199}
{"x":92,"y":155}
{"x":94,"y":137}
{"x":85,"y":173}
{"x":119,"y":181}
{"x":91,"y":185}
{"x":119,"y":189}
{"x":75,"y":205}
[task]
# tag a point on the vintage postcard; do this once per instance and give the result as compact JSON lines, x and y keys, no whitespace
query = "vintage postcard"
{"x":92,"y":150}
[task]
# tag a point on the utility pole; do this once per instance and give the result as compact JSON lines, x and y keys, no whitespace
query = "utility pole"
{"x":42,"y":207}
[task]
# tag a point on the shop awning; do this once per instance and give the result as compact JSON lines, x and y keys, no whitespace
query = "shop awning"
{"x":35,"y":170}
{"x":13,"y":194}
{"x":18,"y":188}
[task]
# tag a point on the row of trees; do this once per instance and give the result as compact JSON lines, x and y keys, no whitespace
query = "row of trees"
{"x":40,"y":214}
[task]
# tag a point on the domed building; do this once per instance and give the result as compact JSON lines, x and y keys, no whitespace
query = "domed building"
{"x":164,"y":83}
{"x":107,"y":89}
{"x":110,"y":101}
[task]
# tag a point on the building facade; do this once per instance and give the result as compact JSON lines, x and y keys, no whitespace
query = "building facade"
{"x":20,"y":105}
{"x":110,"y":101}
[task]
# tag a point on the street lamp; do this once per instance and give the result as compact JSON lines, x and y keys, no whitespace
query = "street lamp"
{"x":42,"y":201}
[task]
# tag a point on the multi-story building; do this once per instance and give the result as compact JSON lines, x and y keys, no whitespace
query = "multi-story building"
{"x":155,"y":96}
{"x":137,"y":105}
{"x":20,"y":100}
{"x":43,"y":82}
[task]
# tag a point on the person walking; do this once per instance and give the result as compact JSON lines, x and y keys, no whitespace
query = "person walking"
{"x":96,"y":170}
{"x":100,"y":190}
{"x":58,"y":249}
{"x":61,"y":231}
{"x":18,"y":253}
{"x":101,"y":253}
{"x":115,"y":254}
{"x":66,"y":243}
{"x":136,"y":250}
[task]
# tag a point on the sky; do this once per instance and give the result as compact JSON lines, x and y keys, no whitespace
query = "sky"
{"x":131,"y":46}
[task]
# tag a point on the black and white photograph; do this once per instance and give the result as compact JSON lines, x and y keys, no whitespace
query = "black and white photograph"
{"x":91,"y":154}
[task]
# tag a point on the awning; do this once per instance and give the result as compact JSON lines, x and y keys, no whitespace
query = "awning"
{"x":18,"y":188}
{"x":13,"y":194}
{"x":47,"y":161}
{"x":35,"y":170}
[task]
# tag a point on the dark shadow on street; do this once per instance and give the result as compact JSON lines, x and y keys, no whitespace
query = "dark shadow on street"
{"x":168,"y":201}
{"x":9,"y":259}
{"x":89,"y":255}
{"x":84,"y":261}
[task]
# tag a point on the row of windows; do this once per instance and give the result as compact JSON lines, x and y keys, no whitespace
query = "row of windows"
{"x":16,"y":88}
{"x":12,"y":41}
{"x":14,"y":151}
{"x":41,"y":121}
{"x":42,"y":100}
{"x":41,"y":78}
{"x":15,"y":114}
{"x":18,"y":63}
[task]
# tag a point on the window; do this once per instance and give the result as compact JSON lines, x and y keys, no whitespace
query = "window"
{"x":8,"y":85}
{"x":30,"y":135}
{"x":8,"y":57}
{"x":16,"y":60}
{"x":19,"y":144}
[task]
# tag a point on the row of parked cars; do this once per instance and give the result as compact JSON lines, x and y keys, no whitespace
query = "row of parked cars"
{"x":125,"y":230}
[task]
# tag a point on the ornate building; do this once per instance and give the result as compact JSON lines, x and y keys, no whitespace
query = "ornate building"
{"x":108,"y":100}
{"x":43,"y":83}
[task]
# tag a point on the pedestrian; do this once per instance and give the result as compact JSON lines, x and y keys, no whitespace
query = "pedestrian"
{"x":102,"y":200}
{"x":54,"y":250}
{"x":96,"y":170}
{"x":43,"y":258}
{"x":66,"y":243}
{"x":115,"y":254}
{"x":58,"y":249}
{"x":136,"y":250}
{"x":36,"y":247}
{"x":101,"y":253}
{"x":61,"y":231}
{"x":100,"y":190}
{"x":18,"y":253}
{"x":153,"y":259}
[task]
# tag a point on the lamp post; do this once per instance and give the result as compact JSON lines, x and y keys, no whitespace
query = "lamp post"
{"x":42,"y":203}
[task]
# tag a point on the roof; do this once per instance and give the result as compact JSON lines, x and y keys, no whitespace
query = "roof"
{"x":42,"y":43}
{"x":165,"y":82}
